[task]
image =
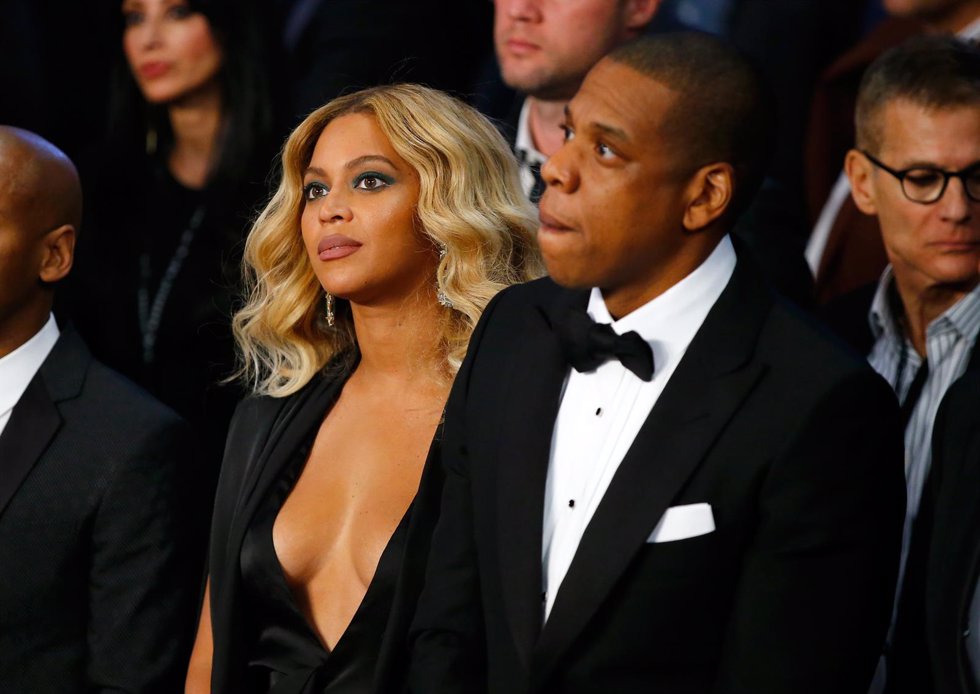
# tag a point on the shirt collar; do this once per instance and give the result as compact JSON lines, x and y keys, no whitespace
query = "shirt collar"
{"x":669,"y":321}
{"x":18,"y":368}
{"x":963,"y":316}
{"x":524,"y":143}
{"x":971,"y":32}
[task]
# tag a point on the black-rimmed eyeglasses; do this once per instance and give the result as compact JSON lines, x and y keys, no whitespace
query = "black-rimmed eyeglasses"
{"x":925,"y":184}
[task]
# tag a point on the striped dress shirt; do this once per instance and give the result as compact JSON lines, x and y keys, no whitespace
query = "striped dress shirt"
{"x":949,"y":343}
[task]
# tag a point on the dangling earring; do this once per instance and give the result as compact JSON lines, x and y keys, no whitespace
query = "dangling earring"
{"x":329,"y":306}
{"x":151,"y":141}
{"x":440,"y":294}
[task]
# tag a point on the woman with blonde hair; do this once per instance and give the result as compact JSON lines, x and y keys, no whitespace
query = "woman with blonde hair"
{"x":398,"y":217}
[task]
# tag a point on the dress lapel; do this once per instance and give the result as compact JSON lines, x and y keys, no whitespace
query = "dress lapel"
{"x":536,"y":379}
{"x":702,"y":395}
{"x":294,"y":420}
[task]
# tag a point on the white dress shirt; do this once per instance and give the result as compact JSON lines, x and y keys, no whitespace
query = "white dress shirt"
{"x":18,"y":368}
{"x":602,"y":411}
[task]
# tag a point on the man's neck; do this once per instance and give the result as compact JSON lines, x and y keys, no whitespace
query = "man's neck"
{"x":920,"y":307}
{"x":196,"y":124}
{"x":544,"y":122}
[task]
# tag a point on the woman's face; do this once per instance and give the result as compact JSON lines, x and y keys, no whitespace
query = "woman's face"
{"x":170,"y":49}
{"x":358,"y":223}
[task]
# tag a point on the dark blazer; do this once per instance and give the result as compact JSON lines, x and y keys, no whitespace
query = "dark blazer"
{"x":765,"y":419}
{"x":936,"y":620}
{"x":265,"y":433}
{"x":97,"y":587}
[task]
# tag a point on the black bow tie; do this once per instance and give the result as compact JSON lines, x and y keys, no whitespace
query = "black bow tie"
{"x":587,"y":345}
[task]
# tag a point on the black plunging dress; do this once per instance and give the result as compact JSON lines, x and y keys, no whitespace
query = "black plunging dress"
{"x":262,"y":641}
{"x":285,"y":656}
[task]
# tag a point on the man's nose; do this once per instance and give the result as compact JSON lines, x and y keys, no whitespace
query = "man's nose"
{"x":955,"y":206}
{"x":561,"y":170}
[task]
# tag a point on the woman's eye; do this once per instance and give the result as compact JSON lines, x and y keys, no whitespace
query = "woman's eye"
{"x":179,"y":12}
{"x":132,"y":18}
{"x":569,"y":133}
{"x":314,"y":190}
{"x":372,"y":181}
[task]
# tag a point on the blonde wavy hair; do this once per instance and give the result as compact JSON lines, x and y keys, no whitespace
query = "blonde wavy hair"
{"x":470,"y":203}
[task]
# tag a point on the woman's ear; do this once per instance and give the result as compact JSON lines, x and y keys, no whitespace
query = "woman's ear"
{"x":710,"y":195}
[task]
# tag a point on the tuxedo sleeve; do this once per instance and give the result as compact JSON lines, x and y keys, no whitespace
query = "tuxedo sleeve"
{"x":143,"y":579}
{"x":448,"y":637}
{"x":814,"y":598}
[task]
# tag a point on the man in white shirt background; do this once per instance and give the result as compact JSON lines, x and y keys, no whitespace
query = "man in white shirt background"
{"x":98,"y":574}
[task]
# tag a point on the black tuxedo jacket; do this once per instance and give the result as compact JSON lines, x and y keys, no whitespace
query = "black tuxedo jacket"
{"x":767,"y":420}
{"x":97,"y":587}
{"x":265,"y":433}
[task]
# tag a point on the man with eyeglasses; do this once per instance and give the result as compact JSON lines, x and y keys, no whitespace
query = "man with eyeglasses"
{"x":917,"y":168}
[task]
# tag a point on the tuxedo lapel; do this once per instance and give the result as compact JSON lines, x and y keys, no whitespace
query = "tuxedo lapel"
{"x":536,"y":377}
{"x":702,"y":395}
{"x":31,"y":426}
{"x":35,"y":419}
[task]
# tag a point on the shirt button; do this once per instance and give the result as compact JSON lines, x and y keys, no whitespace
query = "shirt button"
{"x":598,"y":412}
{"x":966,"y":632}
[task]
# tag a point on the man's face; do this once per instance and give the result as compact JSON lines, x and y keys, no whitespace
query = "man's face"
{"x":545,"y":47}
{"x":935,"y":245}
{"x":21,"y":251}
{"x":612,"y":215}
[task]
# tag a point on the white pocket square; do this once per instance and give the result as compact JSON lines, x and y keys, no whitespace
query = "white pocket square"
{"x":682,"y":522}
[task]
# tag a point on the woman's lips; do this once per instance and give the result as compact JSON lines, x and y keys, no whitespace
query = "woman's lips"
{"x":154,"y":69}
{"x":336,"y":246}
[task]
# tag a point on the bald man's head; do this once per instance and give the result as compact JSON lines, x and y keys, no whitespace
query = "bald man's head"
{"x":40,"y":211}
{"x":39,"y":185}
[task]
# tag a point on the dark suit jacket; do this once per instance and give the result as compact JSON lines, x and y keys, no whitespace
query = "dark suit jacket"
{"x":265,"y":433}
{"x":97,"y":590}
{"x":765,"y":419}
{"x":935,"y":620}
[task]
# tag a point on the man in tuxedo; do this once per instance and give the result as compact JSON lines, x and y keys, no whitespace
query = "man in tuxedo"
{"x":96,"y":591}
{"x":660,"y":477}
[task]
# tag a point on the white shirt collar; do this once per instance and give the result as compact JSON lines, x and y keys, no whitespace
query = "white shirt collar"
{"x":669,"y":321}
{"x":18,"y":368}
{"x":524,"y":143}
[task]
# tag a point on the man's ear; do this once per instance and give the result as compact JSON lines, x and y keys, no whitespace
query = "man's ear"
{"x":638,"y":13}
{"x":710,"y":194}
{"x":859,"y":172}
{"x":58,"y":253}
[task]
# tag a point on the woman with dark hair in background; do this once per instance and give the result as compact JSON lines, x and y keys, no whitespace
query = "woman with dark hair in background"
{"x":168,"y":200}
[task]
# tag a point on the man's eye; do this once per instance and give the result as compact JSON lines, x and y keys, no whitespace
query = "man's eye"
{"x":603,"y":150}
{"x":569,"y":133}
{"x":924,"y":178}
{"x":314,"y":190}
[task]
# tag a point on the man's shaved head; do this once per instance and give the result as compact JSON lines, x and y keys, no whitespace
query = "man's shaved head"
{"x":40,"y":211}
{"x":39,"y":187}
